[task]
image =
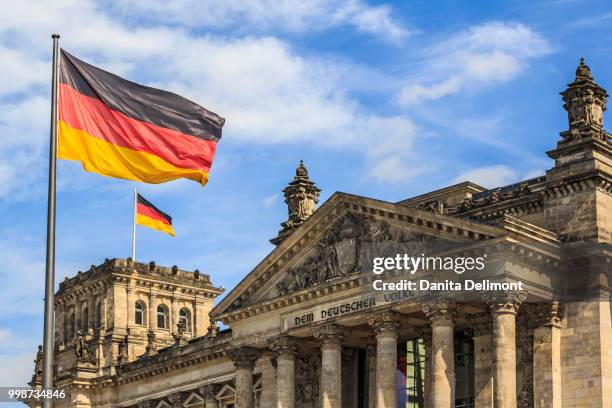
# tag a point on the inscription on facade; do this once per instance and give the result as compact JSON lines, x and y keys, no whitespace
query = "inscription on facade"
{"x":321,"y":313}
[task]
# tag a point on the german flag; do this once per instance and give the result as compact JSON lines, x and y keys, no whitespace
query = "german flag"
{"x":150,"y":216}
{"x":121,"y":129}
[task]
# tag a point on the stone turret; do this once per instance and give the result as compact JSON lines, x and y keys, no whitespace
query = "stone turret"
{"x":585,"y":103}
{"x":301,"y":196}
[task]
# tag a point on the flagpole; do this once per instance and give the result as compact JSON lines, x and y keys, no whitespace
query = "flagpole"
{"x":134,"y":227}
{"x":47,"y":372}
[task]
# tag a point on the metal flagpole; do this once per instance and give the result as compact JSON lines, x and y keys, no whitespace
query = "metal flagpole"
{"x":47,"y":372}
{"x":134,"y":227}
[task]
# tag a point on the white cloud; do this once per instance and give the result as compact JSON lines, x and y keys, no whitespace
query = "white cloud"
{"x":287,"y":15}
{"x":270,"y":200}
{"x":496,"y":175}
{"x":16,"y":370}
{"x":482,"y":55}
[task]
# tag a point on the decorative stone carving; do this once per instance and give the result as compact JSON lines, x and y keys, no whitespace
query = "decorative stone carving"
{"x":38,"y":366}
{"x":524,"y":360}
{"x":384,"y":322}
{"x":545,"y":314}
{"x":435,"y":206}
{"x":180,"y":339}
{"x":175,"y":400}
{"x":81,"y":349}
{"x":329,"y":334}
{"x":301,"y":196}
{"x":208,"y":391}
{"x":348,"y":247}
{"x":440,"y":310}
{"x":504,"y":302}
{"x":284,"y":345}
{"x":585,"y":102}
{"x":151,"y":348}
{"x":145,"y":403}
{"x":244,"y":357}
{"x":307,"y":377}
{"x":122,"y":354}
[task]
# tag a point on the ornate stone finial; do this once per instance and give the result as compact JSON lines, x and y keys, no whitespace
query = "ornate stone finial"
{"x":179,"y":338}
{"x":151,"y":348}
{"x":301,"y":196}
{"x":244,"y":357}
{"x":585,"y":102}
{"x":122,"y":355}
{"x":212,"y":329}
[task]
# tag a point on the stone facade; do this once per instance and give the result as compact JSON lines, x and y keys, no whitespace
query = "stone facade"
{"x":303,"y":330}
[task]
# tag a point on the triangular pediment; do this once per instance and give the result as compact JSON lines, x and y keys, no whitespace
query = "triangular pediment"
{"x":341,"y":238}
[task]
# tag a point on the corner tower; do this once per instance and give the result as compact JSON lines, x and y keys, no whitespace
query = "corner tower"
{"x":301,"y":196}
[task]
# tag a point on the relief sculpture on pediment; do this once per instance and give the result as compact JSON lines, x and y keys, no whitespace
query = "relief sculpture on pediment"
{"x":349,"y":247}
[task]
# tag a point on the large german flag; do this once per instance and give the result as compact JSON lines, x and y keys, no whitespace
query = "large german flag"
{"x":121,"y":129}
{"x":150,"y":216}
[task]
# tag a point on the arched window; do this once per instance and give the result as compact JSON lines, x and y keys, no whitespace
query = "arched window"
{"x":139,"y":317}
{"x":162,"y":317}
{"x":185,"y":318}
{"x":85,"y":319}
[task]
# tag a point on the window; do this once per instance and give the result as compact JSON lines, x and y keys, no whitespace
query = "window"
{"x":85,"y":319}
{"x":162,"y":317}
{"x":185,"y":318}
{"x":139,"y":313}
{"x":464,"y":371}
{"x":411,"y":367}
{"x":71,"y":326}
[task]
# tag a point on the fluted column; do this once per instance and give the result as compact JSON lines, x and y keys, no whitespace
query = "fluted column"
{"x":440,"y":314}
{"x":208,"y":393}
{"x":547,"y":357}
{"x":286,"y":349}
{"x":385,"y":325}
{"x":244,"y":360}
{"x":504,"y":310}
{"x":483,"y":363}
{"x":331,"y":365}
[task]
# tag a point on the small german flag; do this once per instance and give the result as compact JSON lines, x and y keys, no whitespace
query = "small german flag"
{"x":118,"y":128}
{"x":150,"y":216}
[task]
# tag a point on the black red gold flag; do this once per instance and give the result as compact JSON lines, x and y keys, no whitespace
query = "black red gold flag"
{"x":121,"y":129}
{"x":150,"y":216}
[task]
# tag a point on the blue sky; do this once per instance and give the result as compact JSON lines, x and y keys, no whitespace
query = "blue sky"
{"x":378,"y":98}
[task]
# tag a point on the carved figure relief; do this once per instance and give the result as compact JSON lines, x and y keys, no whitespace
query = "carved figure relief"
{"x":349,"y":247}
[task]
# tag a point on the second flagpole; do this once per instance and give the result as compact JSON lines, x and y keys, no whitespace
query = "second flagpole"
{"x":134,"y":227}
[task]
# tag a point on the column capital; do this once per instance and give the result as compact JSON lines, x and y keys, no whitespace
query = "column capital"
{"x":284,"y":345}
{"x":208,"y":391}
{"x":440,"y":311}
{"x":244,"y":357}
{"x":505,"y":303}
{"x":385,"y":323}
{"x":329,"y":335}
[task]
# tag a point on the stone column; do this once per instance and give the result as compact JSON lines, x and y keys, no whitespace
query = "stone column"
{"x":200,"y":319}
{"x":504,"y":310}
{"x":428,"y":367}
{"x":386,"y":325}
{"x":286,"y":349}
{"x":372,"y":374}
{"x":152,"y":315}
{"x":440,"y":314}
{"x":267,"y":364}
{"x":483,"y":364}
{"x":331,"y":365}
{"x":244,"y":359}
{"x":208,"y":393}
{"x":547,"y":358}
{"x":130,"y":307}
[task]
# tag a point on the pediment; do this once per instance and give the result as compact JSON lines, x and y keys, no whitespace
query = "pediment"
{"x":341,"y":238}
{"x":194,"y":400}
